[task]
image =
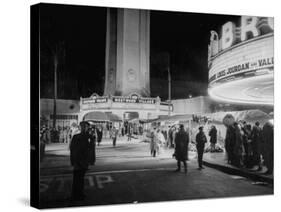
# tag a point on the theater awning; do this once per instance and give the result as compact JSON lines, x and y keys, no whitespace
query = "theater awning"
{"x":113,"y":117}
{"x":95,"y":116}
{"x":101,"y":116}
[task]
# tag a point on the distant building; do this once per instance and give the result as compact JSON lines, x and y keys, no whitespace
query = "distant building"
{"x":196,"y":105}
{"x":67,"y":112}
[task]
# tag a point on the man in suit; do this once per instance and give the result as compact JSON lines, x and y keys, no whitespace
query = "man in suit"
{"x":80,"y":158}
{"x":200,"y":145}
{"x":181,"y":148}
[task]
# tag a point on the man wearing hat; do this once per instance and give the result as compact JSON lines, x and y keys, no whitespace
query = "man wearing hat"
{"x":181,"y":148}
{"x":200,"y":145}
{"x":79,"y":157}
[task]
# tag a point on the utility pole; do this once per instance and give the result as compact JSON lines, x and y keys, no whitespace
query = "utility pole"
{"x":58,"y":54}
{"x":169,"y":84}
{"x":55,"y":89}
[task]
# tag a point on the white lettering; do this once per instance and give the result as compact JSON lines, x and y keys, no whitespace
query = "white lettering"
{"x":248,"y":24}
{"x":214,"y":41}
{"x":228,"y":35}
{"x":102,"y":179}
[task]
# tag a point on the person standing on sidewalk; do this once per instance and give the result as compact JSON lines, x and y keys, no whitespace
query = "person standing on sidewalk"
{"x":267,"y":136}
{"x":213,"y":138}
{"x":239,"y":150}
{"x":174,"y":136}
{"x":130,"y":132}
{"x":230,"y":143}
{"x":79,"y":158}
{"x":99,"y":134}
{"x":160,"y":140}
{"x":256,"y":145}
{"x":114,"y":134}
{"x":200,"y":145}
{"x":153,"y":143}
{"x":248,"y":158}
{"x":181,"y":148}
{"x":92,"y":142}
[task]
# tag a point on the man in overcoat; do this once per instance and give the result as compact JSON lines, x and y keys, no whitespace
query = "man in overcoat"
{"x":99,"y":135}
{"x":200,"y":145}
{"x":114,"y":134}
{"x":230,"y":143}
{"x":181,"y":148}
{"x":92,"y":141}
{"x":256,"y":144}
{"x":268,"y":139}
{"x":153,"y":143}
{"x":80,"y":158}
{"x":213,"y":138}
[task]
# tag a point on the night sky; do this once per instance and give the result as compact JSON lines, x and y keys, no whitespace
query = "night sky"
{"x":80,"y":31}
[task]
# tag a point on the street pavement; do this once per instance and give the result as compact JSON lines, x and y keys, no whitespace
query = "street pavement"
{"x":128,"y":174}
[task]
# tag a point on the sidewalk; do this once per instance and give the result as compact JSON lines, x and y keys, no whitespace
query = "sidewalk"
{"x":218,"y":161}
{"x":105,"y":141}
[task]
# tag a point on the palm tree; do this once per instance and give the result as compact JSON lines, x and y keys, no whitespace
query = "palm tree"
{"x":58,"y":54}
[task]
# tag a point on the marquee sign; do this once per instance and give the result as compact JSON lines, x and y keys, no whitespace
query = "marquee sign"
{"x":241,"y":62}
{"x":242,"y":68}
{"x":133,"y":98}
{"x":248,"y":57}
{"x":231,"y":34}
{"x":94,"y":98}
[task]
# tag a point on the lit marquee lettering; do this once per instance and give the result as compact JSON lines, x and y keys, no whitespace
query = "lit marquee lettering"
{"x":249,"y":25}
{"x":228,"y":32}
{"x":134,"y":99}
{"x":238,"y":68}
{"x":266,"y":62}
{"x":231,"y":34}
{"x":243,"y":67}
{"x":221,"y":74}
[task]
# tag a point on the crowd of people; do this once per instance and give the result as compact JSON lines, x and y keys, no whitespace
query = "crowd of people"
{"x":178,"y":139}
{"x":83,"y":145}
{"x":248,"y":146}
{"x":98,"y":130}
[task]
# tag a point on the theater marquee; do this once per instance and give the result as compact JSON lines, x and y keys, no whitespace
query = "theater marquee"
{"x":241,"y":62}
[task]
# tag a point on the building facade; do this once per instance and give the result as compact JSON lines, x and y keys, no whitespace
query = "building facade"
{"x":196,"y":105}
{"x":67,"y":112}
{"x":125,"y":107}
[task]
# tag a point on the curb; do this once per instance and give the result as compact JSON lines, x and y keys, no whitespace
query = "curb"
{"x":239,"y":172}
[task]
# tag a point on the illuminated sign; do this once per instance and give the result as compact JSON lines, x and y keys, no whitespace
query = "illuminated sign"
{"x":244,"y":67}
{"x":241,"y":62}
{"x":92,"y":100}
{"x":245,"y":58}
{"x":250,"y":27}
{"x":123,"y":99}
{"x":133,"y":98}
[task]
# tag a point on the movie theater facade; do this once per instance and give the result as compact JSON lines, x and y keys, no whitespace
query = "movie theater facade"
{"x":241,"y":62}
